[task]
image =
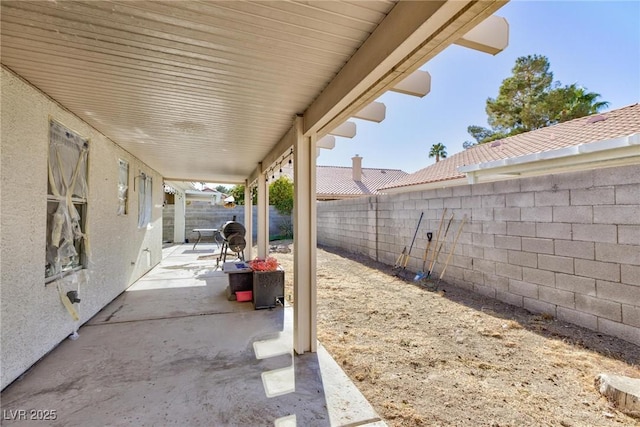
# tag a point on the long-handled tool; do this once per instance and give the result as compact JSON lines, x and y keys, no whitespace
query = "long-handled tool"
{"x":451,"y":252}
{"x":439,"y":248}
{"x":422,"y":272}
{"x":408,"y":254}
{"x":398,"y":265}
{"x":444,"y":213}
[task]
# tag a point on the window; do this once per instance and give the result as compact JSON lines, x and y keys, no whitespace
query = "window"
{"x":123,"y":187}
{"x":144,"y":200}
{"x":66,"y":201}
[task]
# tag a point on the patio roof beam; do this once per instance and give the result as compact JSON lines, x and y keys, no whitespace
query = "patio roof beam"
{"x":374,"y":112}
{"x":345,"y":130}
{"x":417,"y":84}
{"x":410,"y":35}
{"x":490,"y":36}
{"x":328,"y":142}
{"x":284,"y":145}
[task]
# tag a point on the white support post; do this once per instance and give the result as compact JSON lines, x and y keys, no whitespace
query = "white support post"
{"x":263,"y":216}
{"x":179,"y":200}
{"x":248,"y":220}
{"x":304,"y":249}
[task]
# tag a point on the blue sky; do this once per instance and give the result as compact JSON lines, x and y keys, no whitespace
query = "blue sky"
{"x":593,"y":43}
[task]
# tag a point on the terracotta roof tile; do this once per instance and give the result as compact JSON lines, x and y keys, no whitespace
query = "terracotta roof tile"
{"x":613,"y":124}
{"x":338,"y":181}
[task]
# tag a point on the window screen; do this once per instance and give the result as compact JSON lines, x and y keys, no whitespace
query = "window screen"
{"x":144,"y":200}
{"x":66,"y":200}
{"x":123,"y":187}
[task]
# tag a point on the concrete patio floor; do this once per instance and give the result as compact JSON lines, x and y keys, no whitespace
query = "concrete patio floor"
{"x":172,"y":350}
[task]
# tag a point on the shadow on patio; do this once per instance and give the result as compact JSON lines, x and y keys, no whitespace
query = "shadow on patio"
{"x":173,"y":350}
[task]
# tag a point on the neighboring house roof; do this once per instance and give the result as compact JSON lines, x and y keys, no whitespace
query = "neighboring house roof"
{"x":613,"y":124}
{"x":336,"y":182}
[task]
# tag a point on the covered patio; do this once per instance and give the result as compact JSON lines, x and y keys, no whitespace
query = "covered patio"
{"x":207,"y":91}
{"x":172,"y":350}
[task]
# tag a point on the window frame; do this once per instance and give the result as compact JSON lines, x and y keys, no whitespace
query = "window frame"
{"x":56,"y":169}
{"x":145,"y":199}
{"x":123,"y":188}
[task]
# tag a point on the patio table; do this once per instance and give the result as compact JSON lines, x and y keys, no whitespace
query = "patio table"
{"x":204,"y":230}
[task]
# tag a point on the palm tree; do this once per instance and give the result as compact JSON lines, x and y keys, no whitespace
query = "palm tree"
{"x":439,"y":151}
{"x":577,"y":102}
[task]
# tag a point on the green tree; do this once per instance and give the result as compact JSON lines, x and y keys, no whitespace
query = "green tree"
{"x":439,"y":151}
{"x":572,"y":102}
{"x":238,"y":194}
{"x":468,"y":144}
{"x":281,"y":194}
{"x":530,"y":100}
{"x":222,"y":189}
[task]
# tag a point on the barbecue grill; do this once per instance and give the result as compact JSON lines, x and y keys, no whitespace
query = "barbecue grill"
{"x":232,"y":233}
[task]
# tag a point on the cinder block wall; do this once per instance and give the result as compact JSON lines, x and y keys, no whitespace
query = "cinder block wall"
{"x":565,"y":244}
{"x":201,"y":214}
{"x":168,"y":221}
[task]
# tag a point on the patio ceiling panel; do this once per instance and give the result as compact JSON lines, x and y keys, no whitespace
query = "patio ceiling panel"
{"x":197,"y":90}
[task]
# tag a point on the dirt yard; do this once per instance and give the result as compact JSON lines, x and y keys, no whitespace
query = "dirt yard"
{"x":459,"y":359}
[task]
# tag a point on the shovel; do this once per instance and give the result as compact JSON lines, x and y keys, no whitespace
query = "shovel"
{"x":424,"y":273}
{"x":420,"y":274}
{"x":439,"y":248}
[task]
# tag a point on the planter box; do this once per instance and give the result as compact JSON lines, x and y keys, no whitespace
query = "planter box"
{"x":240,"y":282}
{"x":268,"y":289}
{"x":240,"y":278}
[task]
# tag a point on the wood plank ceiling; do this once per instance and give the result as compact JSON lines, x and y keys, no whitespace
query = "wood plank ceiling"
{"x":197,"y":90}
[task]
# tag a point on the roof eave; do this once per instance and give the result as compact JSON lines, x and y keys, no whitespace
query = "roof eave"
{"x":605,"y":153}
{"x":426,"y":186}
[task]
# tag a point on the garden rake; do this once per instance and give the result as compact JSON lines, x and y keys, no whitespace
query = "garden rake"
{"x":404,"y":256}
{"x":437,"y":250}
{"x":422,"y":274}
{"x":453,"y":247}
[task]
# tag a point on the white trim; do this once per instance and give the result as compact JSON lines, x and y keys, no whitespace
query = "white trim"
{"x":425,"y":186}
{"x":589,"y":147}
{"x":567,"y":158}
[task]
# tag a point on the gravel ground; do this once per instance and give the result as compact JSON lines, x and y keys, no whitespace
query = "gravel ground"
{"x":456,"y":358}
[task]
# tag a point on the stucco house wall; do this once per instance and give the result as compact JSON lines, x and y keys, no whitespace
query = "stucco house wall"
{"x":565,"y":244}
{"x":33,"y":318}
